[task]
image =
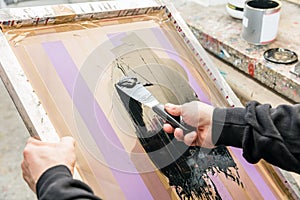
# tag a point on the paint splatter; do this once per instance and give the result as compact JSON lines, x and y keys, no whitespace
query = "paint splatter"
{"x":185,"y":167}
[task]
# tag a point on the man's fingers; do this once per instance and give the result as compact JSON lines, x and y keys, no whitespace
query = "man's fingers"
{"x":190,"y":138}
{"x":168,"y":128}
{"x":33,"y":140}
{"x":173,"y":109}
{"x":178,"y":134}
{"x":24,"y":165}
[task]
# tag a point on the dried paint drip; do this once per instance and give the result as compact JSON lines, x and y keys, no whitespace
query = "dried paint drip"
{"x":197,"y":164}
{"x":187,"y":168}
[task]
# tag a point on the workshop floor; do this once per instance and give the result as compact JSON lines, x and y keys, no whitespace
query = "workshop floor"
{"x":13,"y":137}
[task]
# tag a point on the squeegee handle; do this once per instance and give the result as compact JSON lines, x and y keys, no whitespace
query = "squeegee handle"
{"x":173,"y":120}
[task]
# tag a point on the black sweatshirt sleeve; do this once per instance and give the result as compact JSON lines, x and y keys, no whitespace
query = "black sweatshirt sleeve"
{"x":57,"y":183}
{"x":272,"y":134}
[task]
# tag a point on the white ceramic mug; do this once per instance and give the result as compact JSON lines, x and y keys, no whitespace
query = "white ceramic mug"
{"x":235,"y":8}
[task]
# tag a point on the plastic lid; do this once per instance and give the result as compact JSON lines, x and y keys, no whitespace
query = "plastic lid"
{"x":280,"y":56}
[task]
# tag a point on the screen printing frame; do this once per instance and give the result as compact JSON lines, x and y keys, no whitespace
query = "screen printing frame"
{"x":28,"y":103}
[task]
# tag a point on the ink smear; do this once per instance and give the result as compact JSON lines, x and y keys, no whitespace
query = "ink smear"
{"x":185,"y":167}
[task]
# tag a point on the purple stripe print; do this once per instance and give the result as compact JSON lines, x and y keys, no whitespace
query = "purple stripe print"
{"x":131,"y":183}
{"x":254,"y":175}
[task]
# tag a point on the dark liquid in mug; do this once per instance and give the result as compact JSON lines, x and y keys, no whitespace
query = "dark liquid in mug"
{"x":265,"y":4}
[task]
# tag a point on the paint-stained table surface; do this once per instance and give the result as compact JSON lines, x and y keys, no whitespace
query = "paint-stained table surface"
{"x":220,"y":34}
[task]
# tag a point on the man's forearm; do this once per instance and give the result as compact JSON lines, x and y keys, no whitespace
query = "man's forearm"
{"x":262,"y":132}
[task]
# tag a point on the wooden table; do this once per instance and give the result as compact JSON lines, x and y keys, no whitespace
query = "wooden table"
{"x":220,"y":34}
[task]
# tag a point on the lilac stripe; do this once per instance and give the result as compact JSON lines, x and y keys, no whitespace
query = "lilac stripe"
{"x":115,"y":38}
{"x":254,"y":175}
{"x":220,"y":187}
{"x":131,"y":183}
{"x":164,"y":41}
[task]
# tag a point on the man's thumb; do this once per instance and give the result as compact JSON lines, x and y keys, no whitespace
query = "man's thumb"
{"x":173,"y":109}
{"x":68,"y":140}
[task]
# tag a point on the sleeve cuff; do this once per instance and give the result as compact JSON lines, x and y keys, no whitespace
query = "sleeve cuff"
{"x":51,"y":175}
{"x":228,"y":126}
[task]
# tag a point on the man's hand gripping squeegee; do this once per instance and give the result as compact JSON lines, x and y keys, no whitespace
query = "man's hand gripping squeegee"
{"x":134,"y":89}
